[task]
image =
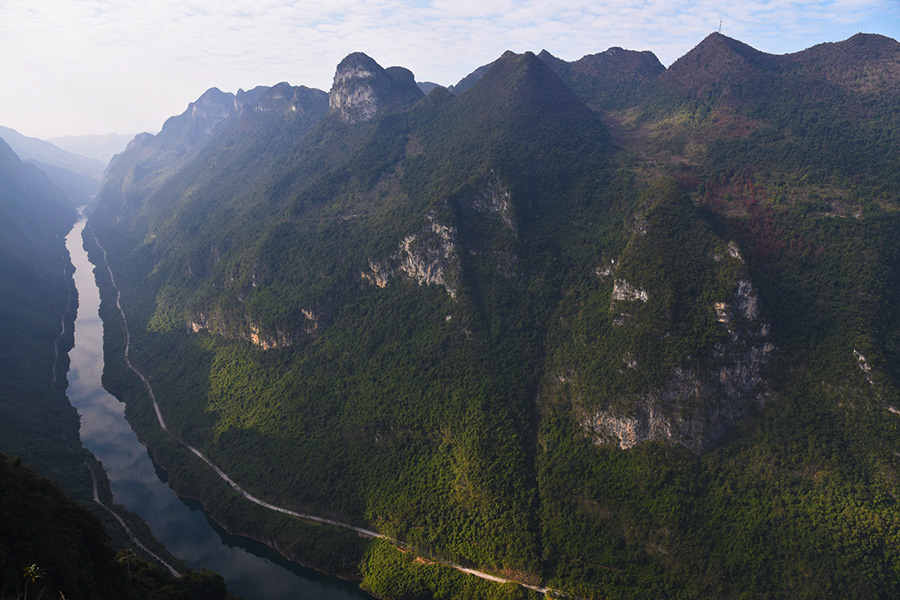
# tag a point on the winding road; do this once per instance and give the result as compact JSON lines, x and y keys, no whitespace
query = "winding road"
{"x":56,"y":354}
{"x":224,"y":476}
{"x":127,"y":529}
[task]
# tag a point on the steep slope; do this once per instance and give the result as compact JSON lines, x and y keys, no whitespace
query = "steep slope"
{"x":37,"y":313}
{"x":766,"y":147}
{"x":469,"y":80}
{"x":151,"y":159}
{"x":34,"y":295}
{"x":55,"y":548}
{"x":679,"y":353}
{"x":379,"y":243}
{"x":474,"y":324}
{"x":363,"y":90}
{"x":715,"y":63}
{"x":735,"y":110}
{"x":609,"y":79}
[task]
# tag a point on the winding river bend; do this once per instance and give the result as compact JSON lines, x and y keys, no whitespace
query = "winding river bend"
{"x":251,"y":570}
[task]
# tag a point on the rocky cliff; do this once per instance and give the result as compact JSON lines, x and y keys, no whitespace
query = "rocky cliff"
{"x":362,"y":89}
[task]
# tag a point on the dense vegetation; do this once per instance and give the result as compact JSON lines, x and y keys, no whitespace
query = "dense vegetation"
{"x":34,"y":294}
{"x":653,"y":363}
{"x":41,"y":526}
{"x":55,"y":548}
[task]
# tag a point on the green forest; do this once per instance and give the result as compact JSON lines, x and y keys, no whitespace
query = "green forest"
{"x":629,"y":344}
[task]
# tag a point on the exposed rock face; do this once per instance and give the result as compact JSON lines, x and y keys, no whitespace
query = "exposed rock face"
{"x":493,"y":197}
{"x":431,"y":255}
{"x":697,"y":405}
{"x":427,"y":257}
{"x":201,"y":117}
{"x":286,"y":98}
{"x":624,"y":291}
{"x":217,"y":323}
{"x":490,"y":207}
{"x":362,"y":89}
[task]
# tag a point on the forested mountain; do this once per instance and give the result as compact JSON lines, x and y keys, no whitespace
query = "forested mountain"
{"x":600,"y":326}
{"x":49,"y":544}
{"x":35,"y":302}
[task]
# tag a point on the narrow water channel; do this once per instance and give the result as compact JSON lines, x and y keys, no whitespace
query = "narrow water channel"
{"x":185,"y":530}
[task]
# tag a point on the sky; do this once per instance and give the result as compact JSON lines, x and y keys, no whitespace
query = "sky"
{"x":76,"y":67}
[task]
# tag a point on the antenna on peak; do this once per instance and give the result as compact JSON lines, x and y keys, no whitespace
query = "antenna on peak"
{"x":720,"y":25}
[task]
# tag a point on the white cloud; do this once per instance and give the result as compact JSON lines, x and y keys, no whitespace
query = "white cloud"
{"x":79,"y":66}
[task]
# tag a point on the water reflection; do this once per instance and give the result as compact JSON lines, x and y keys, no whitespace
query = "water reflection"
{"x":251,"y":570}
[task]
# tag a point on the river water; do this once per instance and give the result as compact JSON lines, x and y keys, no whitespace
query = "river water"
{"x":185,"y":530}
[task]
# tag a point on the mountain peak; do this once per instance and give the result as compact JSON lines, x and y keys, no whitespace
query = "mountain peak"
{"x":518,"y":82}
{"x":717,"y":60}
{"x":362,"y":89}
{"x":865,"y":63}
{"x":608,"y":79}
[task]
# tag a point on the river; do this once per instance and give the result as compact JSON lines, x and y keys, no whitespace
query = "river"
{"x":251,"y":570}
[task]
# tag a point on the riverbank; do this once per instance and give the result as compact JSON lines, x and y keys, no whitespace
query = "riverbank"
{"x":186,"y":531}
{"x":274,"y":541}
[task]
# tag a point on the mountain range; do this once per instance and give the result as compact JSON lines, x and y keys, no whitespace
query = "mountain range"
{"x":78,"y":177}
{"x":100,"y":147}
{"x":601,"y":326}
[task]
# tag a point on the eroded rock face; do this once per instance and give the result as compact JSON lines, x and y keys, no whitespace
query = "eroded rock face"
{"x":494,"y":197}
{"x":359,"y":88}
{"x":213,"y":107}
{"x":217,"y":323}
{"x":698,"y":404}
{"x":428,"y":257}
{"x":362,"y":89}
{"x":285,"y":98}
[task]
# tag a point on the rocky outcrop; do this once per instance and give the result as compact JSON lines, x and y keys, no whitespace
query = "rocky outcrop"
{"x":698,"y":403}
{"x":490,"y":213}
{"x":428,"y":257}
{"x":218,"y":323}
{"x":492,"y":197}
{"x":362,"y":89}
{"x":625,"y":292}
{"x":286,"y":98}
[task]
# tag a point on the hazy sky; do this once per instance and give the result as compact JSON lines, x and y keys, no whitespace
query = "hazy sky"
{"x":123,"y":66}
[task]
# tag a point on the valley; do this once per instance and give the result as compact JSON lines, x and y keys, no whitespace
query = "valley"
{"x":590,"y":329}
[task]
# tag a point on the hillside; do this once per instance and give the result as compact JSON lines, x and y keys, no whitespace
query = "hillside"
{"x":78,"y":177}
{"x":38,"y":303}
{"x":55,"y":548}
{"x":602,"y":326}
{"x":35,"y":302}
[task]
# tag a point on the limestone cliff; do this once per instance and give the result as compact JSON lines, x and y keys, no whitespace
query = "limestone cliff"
{"x":428,"y":257}
{"x":231,"y":326}
{"x":680,"y":351}
{"x":699,"y":402}
{"x":362,"y":89}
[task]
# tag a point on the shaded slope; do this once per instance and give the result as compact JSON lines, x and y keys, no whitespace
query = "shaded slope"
{"x":34,"y":298}
{"x":55,"y":548}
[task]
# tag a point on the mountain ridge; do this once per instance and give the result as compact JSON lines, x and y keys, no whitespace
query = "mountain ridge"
{"x":488,"y":326}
